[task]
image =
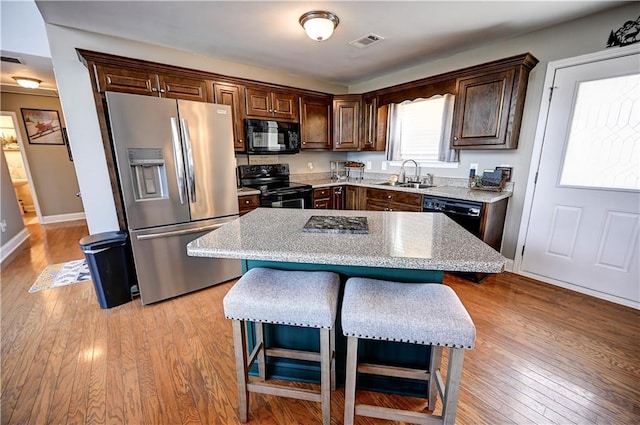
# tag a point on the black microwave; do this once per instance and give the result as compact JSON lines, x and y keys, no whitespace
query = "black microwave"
{"x":271,"y":137}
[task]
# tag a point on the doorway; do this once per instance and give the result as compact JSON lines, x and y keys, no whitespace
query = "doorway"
{"x":583,"y":223}
{"x":13,"y":150}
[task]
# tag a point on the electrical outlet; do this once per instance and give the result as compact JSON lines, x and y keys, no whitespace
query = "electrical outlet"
{"x":310,"y":165}
{"x":3,"y":225}
{"x":384,"y":166}
{"x":368,"y":165}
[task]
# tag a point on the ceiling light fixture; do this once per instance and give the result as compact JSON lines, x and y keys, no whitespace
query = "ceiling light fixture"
{"x":319,"y":25}
{"x":30,"y":83}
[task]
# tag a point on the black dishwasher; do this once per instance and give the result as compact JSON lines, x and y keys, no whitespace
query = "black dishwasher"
{"x":465,"y":213}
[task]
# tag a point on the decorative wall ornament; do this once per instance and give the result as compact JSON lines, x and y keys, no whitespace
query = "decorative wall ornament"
{"x":628,"y":33}
{"x":43,"y":126}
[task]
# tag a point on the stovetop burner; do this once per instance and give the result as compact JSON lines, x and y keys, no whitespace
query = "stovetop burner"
{"x":270,"y":179}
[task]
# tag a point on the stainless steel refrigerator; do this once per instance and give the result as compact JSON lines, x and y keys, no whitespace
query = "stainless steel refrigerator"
{"x":176,"y":169}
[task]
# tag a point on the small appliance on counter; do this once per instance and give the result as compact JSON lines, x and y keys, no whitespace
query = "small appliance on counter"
{"x":352,"y":171}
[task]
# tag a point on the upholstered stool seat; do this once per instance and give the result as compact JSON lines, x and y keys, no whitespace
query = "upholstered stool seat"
{"x":415,"y":313}
{"x":294,"y":298}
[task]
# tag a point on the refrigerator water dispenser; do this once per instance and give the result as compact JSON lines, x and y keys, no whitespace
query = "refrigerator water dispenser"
{"x":148,"y":173}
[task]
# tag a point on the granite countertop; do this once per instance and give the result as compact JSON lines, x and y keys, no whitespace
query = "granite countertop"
{"x":246,"y":191}
{"x":455,"y":192}
{"x":402,"y":240}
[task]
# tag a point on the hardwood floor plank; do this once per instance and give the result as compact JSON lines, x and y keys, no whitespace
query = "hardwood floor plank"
{"x":544,"y":355}
{"x":132,"y":403}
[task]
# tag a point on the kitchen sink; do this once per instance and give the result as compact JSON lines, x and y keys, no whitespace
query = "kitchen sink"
{"x":411,"y":185}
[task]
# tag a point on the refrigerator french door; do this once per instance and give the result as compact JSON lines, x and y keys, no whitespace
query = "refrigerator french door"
{"x":176,"y":171}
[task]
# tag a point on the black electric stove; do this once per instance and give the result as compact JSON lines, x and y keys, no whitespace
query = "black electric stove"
{"x":272,"y":180}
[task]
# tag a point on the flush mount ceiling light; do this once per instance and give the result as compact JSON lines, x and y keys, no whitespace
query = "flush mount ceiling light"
{"x":319,"y":25}
{"x":30,"y":83}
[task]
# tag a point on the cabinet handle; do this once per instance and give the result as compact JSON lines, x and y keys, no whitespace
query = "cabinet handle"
{"x":389,"y":196}
{"x":455,"y":138}
{"x":246,"y":202}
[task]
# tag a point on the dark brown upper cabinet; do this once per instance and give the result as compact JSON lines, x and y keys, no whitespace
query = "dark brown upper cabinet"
{"x":264,"y":103}
{"x":374,"y":125}
{"x":346,"y":122}
{"x":315,"y":122}
{"x":489,"y":104}
{"x":113,"y":78}
{"x":233,"y":95}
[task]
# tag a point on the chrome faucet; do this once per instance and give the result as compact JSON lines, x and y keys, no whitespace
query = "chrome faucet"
{"x":403,"y":175}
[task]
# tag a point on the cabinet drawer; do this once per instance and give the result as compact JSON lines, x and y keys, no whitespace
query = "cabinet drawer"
{"x":323,"y":204}
{"x":248,"y":203}
{"x":413,"y":199}
{"x":321,"y":193}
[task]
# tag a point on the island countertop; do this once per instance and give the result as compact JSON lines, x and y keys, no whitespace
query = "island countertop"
{"x":397,"y":240}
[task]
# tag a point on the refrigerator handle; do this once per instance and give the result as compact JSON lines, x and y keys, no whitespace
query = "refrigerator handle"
{"x":191,"y":177}
{"x":179,"y":161}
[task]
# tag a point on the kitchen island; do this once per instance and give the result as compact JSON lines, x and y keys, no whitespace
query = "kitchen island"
{"x":399,"y":246}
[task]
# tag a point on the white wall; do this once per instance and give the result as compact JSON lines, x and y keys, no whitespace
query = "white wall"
{"x":570,"y":39}
{"x":79,"y":108}
{"x":22,"y":29}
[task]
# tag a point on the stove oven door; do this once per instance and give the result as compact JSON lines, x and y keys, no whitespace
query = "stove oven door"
{"x":288,"y":199}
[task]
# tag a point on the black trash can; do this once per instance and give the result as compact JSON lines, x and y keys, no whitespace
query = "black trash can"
{"x":110,"y":264}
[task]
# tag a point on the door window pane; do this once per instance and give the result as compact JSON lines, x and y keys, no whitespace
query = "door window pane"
{"x":603,"y":147}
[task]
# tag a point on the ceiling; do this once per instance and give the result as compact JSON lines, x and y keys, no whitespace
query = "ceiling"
{"x":267,"y":33}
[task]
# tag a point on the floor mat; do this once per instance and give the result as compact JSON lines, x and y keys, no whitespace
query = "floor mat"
{"x":61,"y":274}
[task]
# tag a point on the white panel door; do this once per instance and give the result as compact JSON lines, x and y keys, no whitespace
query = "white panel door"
{"x":585,"y":215}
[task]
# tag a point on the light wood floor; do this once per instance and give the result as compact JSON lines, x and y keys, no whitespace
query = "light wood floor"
{"x":543,"y":355}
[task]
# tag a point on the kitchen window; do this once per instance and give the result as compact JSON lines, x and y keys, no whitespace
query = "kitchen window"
{"x":421,"y":130}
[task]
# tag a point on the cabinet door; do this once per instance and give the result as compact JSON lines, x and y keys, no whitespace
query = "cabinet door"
{"x":346,"y":125}
{"x":126,"y":81}
{"x":175,"y":87}
{"x":371,"y":140}
{"x":338,"y":198}
{"x":231,"y":94}
{"x":482,"y":111}
{"x":315,"y":118}
{"x":352,"y":201}
{"x":259,"y":103}
{"x":285,"y":106}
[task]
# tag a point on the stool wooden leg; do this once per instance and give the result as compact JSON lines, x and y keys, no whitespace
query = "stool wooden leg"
{"x":240,"y":350}
{"x":262,"y":365}
{"x":434,"y":365}
{"x":452,"y":388}
{"x":325,"y":375}
{"x":332,"y":352}
{"x":350,"y":380}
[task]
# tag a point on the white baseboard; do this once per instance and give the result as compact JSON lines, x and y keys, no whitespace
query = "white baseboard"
{"x":508,"y":266}
{"x":13,"y":244}
{"x":48,"y":219}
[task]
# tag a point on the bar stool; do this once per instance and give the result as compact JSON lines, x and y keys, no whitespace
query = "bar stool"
{"x":415,"y":313}
{"x":294,"y":298}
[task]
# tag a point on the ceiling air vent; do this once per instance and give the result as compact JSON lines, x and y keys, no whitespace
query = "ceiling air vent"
{"x":9,"y":59}
{"x":366,"y":41}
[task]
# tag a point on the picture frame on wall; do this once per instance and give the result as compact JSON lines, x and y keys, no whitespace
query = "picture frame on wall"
{"x":43,"y":126}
